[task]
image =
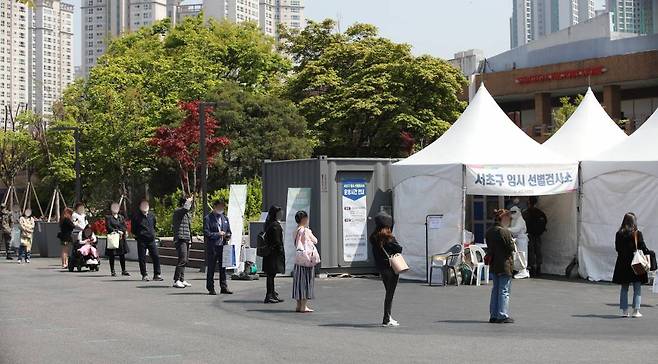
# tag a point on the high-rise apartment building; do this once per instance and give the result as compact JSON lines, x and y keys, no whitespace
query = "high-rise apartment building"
{"x":14,"y":55}
{"x":532,"y":19}
{"x":104,"y":19}
{"x":51,"y":54}
{"x":290,"y":13}
{"x":232,"y":10}
{"x":634,"y":16}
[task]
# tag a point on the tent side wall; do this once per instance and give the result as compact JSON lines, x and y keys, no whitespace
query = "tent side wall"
{"x":606,"y":198}
{"x":416,"y":197}
{"x":559,"y":243}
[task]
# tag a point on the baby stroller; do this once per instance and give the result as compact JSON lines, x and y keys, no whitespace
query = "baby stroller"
{"x":83,"y":254}
{"x":79,"y":260}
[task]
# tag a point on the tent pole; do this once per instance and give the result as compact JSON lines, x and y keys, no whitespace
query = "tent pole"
{"x":463,"y":219}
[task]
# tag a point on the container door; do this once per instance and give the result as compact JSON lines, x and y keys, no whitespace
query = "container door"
{"x":359,"y":202}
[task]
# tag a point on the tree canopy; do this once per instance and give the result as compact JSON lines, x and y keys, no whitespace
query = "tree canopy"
{"x":364,"y":95}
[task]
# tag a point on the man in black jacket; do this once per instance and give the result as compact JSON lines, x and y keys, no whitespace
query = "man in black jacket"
{"x":217,"y":232}
{"x":536,"y":221}
{"x":143,"y":228}
{"x":181,"y":222}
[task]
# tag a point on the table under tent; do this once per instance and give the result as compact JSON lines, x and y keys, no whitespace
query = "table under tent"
{"x":585,"y":134}
{"x":621,"y":179}
{"x":482,"y":154}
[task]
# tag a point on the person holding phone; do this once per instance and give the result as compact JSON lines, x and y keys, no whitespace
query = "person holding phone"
{"x":217,"y":232}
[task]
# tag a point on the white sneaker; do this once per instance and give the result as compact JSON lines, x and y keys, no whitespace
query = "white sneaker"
{"x":89,"y":262}
{"x":624,"y":313}
{"x":522,"y":274}
{"x":636,"y":314}
{"x":187,"y":284}
{"x":391,"y":323}
{"x":179,"y":284}
{"x":27,"y":260}
{"x":20,"y":261}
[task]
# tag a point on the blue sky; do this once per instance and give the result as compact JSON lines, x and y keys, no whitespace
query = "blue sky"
{"x":437,"y":27}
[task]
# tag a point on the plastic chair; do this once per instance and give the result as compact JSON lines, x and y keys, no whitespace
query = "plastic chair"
{"x":447,"y":261}
{"x":477,"y":258}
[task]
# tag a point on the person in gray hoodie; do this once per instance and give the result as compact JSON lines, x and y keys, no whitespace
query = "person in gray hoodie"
{"x":182,"y":227}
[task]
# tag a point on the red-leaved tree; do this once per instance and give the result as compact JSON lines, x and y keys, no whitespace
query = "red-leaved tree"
{"x":181,"y":144}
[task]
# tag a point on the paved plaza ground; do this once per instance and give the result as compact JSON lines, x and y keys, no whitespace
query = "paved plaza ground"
{"x":51,"y":316}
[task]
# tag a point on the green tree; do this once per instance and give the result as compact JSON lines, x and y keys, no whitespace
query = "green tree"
{"x":259,"y":127}
{"x":563,"y":113}
{"x":138,"y":83}
{"x":17,"y":151}
{"x":364,"y":95}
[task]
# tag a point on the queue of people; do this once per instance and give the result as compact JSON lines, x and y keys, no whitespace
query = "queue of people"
{"x":77,"y":235}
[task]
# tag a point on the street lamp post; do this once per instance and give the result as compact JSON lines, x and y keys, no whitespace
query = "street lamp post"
{"x":76,"y":137}
{"x":204,"y":168}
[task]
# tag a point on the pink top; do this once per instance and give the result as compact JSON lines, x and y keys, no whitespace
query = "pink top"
{"x":304,"y":235}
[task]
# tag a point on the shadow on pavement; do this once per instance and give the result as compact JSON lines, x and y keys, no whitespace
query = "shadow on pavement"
{"x":462,"y":322}
{"x":188,"y":294}
{"x":288,"y":310}
{"x":95,"y":275}
{"x":243,"y":301}
{"x":606,"y":317}
{"x":617,"y":305}
{"x":152,"y":287}
{"x":119,"y":280}
{"x":356,"y":326}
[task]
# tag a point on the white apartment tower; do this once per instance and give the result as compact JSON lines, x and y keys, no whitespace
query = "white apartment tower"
{"x":51,"y":54}
{"x":14,"y":56}
{"x":634,"y":16}
{"x":532,"y":19}
{"x":287,"y":12}
{"x":232,"y":10}
{"x":105,"y":19}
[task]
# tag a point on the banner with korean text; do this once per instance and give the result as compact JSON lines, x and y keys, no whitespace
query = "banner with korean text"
{"x":355,"y":221}
{"x":496,"y":180}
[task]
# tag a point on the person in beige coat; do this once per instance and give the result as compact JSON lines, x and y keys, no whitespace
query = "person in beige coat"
{"x":27,"y":230}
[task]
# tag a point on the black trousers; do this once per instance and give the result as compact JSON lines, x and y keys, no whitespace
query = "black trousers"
{"x":183,"y":251}
{"x":390,"y":280}
{"x":153,"y":252}
{"x":214,"y":257}
{"x":271,"y":292}
{"x":122,"y":260}
{"x":535,"y":258}
{"x":7,"y":239}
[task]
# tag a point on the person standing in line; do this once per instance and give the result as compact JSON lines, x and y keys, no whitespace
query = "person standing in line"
{"x":500,"y":246}
{"x":627,"y":240}
{"x":217,"y":232}
{"x":275,"y":261}
{"x":536,"y":221}
{"x":181,"y":222}
{"x":116,"y":223}
{"x":26,"y":223}
{"x":79,"y":218}
{"x":143,"y":226}
{"x":65,"y":238}
{"x":5,"y":234}
{"x":15,"y":229}
{"x":384,"y":245}
{"x":303,"y":278}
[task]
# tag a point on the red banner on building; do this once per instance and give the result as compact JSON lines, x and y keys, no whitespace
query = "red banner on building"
{"x":562,"y":75}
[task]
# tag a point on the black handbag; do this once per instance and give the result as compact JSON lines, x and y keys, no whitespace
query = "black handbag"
{"x":262,"y":248}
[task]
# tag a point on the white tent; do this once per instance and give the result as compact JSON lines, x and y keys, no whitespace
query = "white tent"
{"x":587,"y":133}
{"x":483,"y":153}
{"x":621,"y":179}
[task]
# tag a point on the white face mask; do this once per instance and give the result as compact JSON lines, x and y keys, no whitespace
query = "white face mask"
{"x":187,"y":205}
{"x":144,"y":208}
{"x":219,"y":211}
{"x":28,"y":213}
{"x":81,"y":211}
{"x":114,"y":209}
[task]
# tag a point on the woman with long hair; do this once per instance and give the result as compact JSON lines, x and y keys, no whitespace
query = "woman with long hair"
{"x":628,"y":240}
{"x":116,"y":223}
{"x":275,"y":261}
{"x":303,"y":278}
{"x":500,"y":248}
{"x":384,"y":245}
{"x":65,"y":235}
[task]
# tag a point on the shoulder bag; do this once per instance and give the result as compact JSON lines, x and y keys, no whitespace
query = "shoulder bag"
{"x":262,"y":248}
{"x":640,"y":262}
{"x":397,"y":262}
{"x":113,"y":240}
{"x":308,"y":255}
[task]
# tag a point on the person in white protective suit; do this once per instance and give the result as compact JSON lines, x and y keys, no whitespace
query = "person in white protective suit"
{"x":518,"y":230}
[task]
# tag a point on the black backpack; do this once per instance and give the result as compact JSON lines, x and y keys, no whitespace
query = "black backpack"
{"x":262,"y":249}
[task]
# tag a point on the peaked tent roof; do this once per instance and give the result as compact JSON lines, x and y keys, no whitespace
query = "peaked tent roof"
{"x":588,"y":132}
{"x":483,"y":135}
{"x":638,"y":152}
